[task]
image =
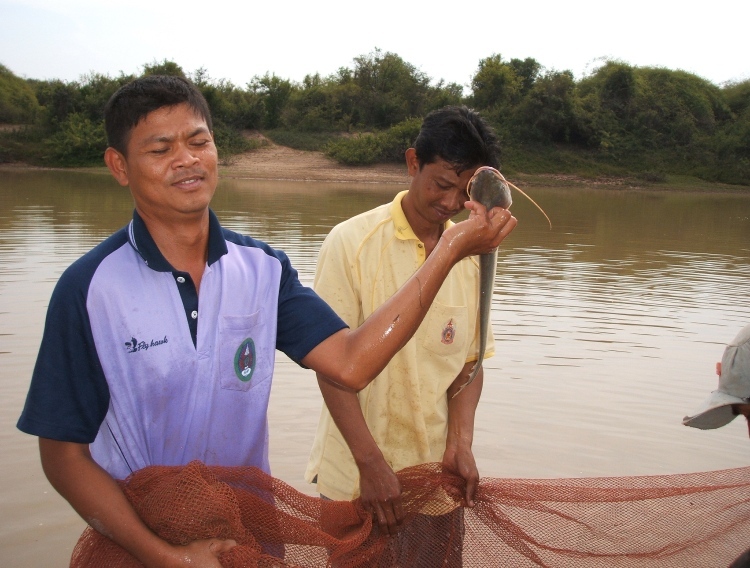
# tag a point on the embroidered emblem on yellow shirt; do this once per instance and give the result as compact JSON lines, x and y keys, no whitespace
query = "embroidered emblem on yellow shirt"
{"x":448,"y":333}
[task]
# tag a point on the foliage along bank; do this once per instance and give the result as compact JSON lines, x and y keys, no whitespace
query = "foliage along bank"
{"x":619,"y":120}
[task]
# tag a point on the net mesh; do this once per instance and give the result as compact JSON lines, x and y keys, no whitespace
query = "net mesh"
{"x":697,"y":519}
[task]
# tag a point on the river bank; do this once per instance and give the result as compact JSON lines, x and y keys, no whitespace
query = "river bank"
{"x":274,"y":162}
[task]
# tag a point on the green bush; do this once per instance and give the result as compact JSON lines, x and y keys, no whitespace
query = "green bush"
{"x":230,"y":142}
{"x":619,"y":120}
{"x":301,"y":140}
{"x":18,"y":104}
{"x":395,"y":140}
{"x":368,"y":148}
{"x":79,"y":141}
{"x":361,"y":150}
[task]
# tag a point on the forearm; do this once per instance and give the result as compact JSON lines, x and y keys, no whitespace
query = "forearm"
{"x":98,"y":499}
{"x":355,"y":357}
{"x":462,"y":409}
{"x":343,"y":405}
{"x":380,"y":490}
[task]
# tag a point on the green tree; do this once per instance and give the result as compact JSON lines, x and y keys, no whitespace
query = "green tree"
{"x":79,"y":141}
{"x":733,"y":136}
{"x":58,"y":99}
{"x":95,"y":90}
{"x":18,"y":103}
{"x":444,"y":94}
{"x":548,"y":112}
{"x":231,"y":106}
{"x":737,"y":96}
{"x":652,"y":117}
{"x":164,"y":67}
{"x":232,"y":110}
{"x":675,"y":108}
{"x":390,"y":90}
{"x":274,"y":93}
{"x":86,"y":97}
{"x":312,"y":107}
{"x":496,"y":84}
{"x":528,"y":70}
{"x":617,"y":87}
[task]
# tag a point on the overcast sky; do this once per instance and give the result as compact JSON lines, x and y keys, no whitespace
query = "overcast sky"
{"x":236,"y":40}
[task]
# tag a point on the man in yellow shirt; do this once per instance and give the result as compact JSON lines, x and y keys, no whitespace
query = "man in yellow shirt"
{"x":407,"y":415}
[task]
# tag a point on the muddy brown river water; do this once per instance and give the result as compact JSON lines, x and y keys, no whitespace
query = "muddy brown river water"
{"x":608,"y":327}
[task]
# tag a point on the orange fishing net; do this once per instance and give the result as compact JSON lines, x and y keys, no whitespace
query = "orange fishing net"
{"x":698,"y":519}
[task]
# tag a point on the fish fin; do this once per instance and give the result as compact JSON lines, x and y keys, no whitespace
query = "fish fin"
{"x":462,"y":387}
{"x":472,"y":376}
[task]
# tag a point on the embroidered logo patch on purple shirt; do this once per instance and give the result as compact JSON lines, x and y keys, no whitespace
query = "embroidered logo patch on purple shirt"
{"x":244,"y":360}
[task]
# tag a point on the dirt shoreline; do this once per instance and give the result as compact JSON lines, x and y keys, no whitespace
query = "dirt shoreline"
{"x":274,"y":162}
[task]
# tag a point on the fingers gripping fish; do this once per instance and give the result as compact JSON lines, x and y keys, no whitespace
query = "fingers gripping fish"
{"x":488,"y":187}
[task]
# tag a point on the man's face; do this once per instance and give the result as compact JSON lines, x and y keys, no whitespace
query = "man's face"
{"x":170,"y":165}
{"x":437,"y":192}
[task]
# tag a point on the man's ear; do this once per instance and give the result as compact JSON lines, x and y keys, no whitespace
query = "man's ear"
{"x":117,"y":165}
{"x":412,"y":163}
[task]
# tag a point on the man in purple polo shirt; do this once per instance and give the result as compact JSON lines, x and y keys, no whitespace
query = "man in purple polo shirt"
{"x":159,"y":343}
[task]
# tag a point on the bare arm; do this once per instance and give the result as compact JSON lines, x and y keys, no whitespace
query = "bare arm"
{"x":461,"y":412}
{"x":380,"y":489}
{"x":353,"y":358}
{"x":97,"y":497}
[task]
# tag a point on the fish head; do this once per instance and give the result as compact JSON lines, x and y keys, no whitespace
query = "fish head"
{"x":488,"y":187}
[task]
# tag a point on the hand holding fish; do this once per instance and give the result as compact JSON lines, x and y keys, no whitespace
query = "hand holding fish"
{"x":481,"y":233}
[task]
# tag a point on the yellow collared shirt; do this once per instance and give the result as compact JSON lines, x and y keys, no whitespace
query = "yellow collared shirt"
{"x":362,"y":262}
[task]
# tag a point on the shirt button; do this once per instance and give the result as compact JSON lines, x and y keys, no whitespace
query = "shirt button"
{"x":194,"y":314}
{"x":180,"y":279}
{"x":420,"y":245}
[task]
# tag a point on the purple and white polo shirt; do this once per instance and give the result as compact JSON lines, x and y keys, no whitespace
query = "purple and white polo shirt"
{"x":136,"y":364}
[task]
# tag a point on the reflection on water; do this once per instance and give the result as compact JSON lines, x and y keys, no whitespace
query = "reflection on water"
{"x":608,"y":327}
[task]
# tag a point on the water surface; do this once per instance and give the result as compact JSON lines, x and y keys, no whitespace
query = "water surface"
{"x":608,"y":327}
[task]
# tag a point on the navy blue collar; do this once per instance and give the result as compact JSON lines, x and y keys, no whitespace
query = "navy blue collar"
{"x":141,"y":240}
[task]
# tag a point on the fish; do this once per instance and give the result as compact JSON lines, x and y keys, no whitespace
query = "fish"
{"x":490,"y":188}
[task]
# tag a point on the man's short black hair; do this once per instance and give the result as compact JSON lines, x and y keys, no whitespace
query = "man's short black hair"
{"x":133,"y":101}
{"x":458,"y":135}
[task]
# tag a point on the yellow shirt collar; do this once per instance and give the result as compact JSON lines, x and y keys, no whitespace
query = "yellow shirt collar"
{"x":403,"y":229}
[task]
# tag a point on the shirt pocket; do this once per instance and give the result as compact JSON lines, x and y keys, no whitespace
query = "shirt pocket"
{"x":445,"y":329}
{"x":246,"y":359}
